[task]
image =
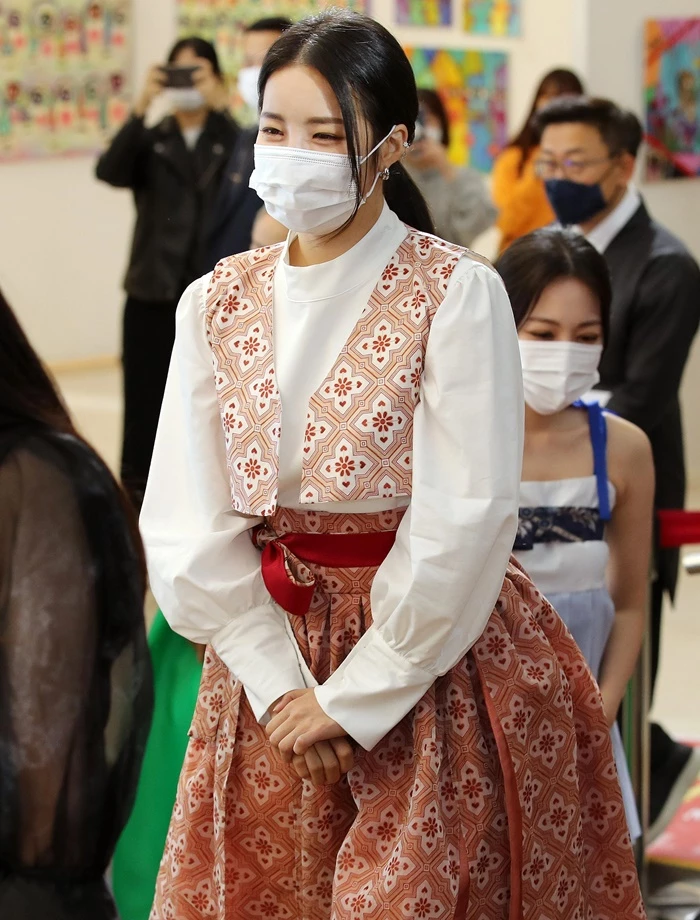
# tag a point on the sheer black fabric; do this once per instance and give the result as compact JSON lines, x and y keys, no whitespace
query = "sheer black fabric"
{"x":75,"y":680}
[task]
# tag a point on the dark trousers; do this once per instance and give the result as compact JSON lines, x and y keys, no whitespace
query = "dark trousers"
{"x":148,"y":337}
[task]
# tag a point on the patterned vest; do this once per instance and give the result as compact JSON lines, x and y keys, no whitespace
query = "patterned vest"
{"x":358,"y":442}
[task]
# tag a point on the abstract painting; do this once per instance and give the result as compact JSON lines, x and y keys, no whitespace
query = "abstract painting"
{"x":424,"y":12}
{"x":492,"y":17}
{"x":672,"y":98}
{"x":472,"y":86}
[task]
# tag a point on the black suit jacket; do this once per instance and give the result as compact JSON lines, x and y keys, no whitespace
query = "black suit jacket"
{"x":655,"y":315}
{"x":237,"y":206}
{"x":175,"y":191}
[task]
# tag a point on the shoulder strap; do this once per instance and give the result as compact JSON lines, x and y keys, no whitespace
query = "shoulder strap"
{"x":599,"y":441}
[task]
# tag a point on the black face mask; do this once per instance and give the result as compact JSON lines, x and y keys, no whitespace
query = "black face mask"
{"x":574,"y":202}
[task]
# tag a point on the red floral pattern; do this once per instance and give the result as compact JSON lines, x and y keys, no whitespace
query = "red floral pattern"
{"x":479,"y":804}
{"x":358,"y":440}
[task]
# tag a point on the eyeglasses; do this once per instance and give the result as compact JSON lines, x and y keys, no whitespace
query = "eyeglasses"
{"x":546,"y":168}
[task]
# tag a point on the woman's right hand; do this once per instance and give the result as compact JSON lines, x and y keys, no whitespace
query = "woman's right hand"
{"x":153,"y":87}
{"x":326,"y":762}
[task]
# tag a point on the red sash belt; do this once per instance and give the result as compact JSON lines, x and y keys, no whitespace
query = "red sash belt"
{"x":335,"y":550}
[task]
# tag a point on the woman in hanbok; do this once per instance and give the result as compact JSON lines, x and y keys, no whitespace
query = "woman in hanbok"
{"x":392,"y":721}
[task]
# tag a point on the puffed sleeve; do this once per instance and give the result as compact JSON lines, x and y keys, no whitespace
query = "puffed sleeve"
{"x":434,"y":593}
{"x":204,"y":570}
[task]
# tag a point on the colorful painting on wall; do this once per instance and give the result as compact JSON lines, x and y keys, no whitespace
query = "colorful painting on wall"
{"x":64,"y":83}
{"x":223,"y":21}
{"x":424,"y":12}
{"x":672,"y":98}
{"x":472,"y":85}
{"x":492,"y":17}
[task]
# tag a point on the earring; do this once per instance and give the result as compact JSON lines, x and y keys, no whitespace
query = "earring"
{"x":386,"y":174}
{"x":406,"y":144}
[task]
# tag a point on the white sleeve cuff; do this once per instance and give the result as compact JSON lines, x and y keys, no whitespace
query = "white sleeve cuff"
{"x":265,"y":663}
{"x":372,"y":690}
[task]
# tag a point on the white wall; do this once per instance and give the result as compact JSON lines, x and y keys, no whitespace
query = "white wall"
{"x":613,"y":66}
{"x":64,"y":237}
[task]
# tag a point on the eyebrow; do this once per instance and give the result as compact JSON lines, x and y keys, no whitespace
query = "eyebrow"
{"x":309,"y":121}
{"x":554,"y":322}
{"x":567,"y":153}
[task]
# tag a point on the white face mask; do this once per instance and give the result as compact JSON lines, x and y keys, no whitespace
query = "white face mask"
{"x":248,"y":86}
{"x":556,"y":374}
{"x":307,"y":191}
{"x":184,"y":99}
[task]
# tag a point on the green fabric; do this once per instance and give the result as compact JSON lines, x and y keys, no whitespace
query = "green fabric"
{"x":176,"y":673}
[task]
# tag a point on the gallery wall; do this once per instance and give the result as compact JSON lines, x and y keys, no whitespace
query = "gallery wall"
{"x":64,"y":237}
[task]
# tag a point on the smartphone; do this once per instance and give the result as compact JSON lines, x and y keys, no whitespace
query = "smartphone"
{"x":179,"y":77}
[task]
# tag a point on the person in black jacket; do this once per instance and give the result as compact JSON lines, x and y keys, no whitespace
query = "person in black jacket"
{"x":238,"y":205}
{"x":76,"y":691}
{"x":174,"y":171}
{"x":587,"y":159}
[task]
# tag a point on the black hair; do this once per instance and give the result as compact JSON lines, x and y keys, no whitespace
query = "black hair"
{"x":620,"y":130}
{"x":371,"y":77}
{"x":269,"y":24}
{"x":430,"y":100}
{"x":201,"y":47}
{"x":30,"y":401}
{"x":559,"y":82}
{"x":533,"y":262}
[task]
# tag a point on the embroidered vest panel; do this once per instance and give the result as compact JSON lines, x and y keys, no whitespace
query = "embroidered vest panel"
{"x":358,"y":441}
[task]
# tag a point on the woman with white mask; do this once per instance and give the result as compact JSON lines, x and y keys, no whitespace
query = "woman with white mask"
{"x":588,"y":479}
{"x":174,"y":170}
{"x":387,"y":721}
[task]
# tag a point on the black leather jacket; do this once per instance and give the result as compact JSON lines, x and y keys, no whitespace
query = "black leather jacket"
{"x":175,"y":191}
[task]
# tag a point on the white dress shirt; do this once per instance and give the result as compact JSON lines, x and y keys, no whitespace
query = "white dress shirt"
{"x":602,"y":235}
{"x":435,"y":591}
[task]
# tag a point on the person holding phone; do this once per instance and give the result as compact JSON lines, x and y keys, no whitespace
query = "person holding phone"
{"x":174,"y":170}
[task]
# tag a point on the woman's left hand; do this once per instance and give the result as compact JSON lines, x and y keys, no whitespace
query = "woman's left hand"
{"x":211,"y":87}
{"x":298,"y":723}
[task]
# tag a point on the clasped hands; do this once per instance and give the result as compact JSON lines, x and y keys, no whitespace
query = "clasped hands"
{"x":316,"y":746}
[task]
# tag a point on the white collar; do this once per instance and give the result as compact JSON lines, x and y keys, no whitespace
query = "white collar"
{"x":602,"y":235}
{"x":366,"y":259}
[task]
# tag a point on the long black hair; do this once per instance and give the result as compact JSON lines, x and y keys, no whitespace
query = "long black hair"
{"x":559,"y":82}
{"x":202,"y":48}
{"x":533,"y":262}
{"x":371,"y":78}
{"x":29,"y":402}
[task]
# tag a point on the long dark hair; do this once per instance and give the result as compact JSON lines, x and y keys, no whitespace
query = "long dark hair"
{"x":559,"y":82}
{"x":371,"y":78}
{"x":533,"y":262}
{"x":29,"y":401}
{"x":202,"y":48}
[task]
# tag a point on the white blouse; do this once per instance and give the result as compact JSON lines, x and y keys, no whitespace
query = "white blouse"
{"x":435,"y":591}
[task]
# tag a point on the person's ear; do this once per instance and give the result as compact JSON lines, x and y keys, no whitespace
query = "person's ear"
{"x":627,"y":166}
{"x":393,"y":148}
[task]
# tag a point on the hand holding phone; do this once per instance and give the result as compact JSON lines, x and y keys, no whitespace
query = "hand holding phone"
{"x":154,"y":86}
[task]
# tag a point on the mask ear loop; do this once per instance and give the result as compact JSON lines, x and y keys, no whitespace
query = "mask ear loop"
{"x":384,"y":174}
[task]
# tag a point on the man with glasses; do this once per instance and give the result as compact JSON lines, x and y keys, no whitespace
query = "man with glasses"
{"x":587,"y":160}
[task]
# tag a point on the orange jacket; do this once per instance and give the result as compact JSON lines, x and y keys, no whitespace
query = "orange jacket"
{"x":520,"y":199}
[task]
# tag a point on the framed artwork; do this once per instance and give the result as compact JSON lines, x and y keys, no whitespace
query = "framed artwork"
{"x":492,"y":17}
{"x":672,"y":98}
{"x":472,"y":86}
{"x":64,"y":75}
{"x":222,"y":22}
{"x":424,"y":12}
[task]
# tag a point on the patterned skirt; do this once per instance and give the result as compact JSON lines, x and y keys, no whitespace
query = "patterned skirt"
{"x":495,"y":798}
